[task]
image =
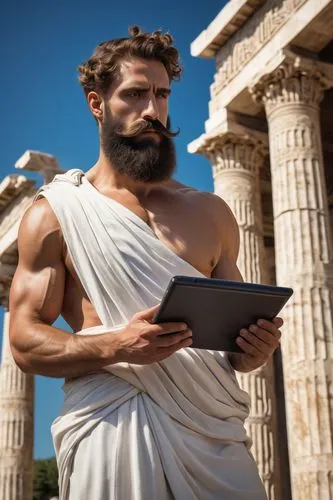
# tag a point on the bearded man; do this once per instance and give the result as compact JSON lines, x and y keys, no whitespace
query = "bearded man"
{"x":145,"y":415}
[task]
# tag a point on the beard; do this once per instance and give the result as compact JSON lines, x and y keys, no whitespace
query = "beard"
{"x":141,"y":159}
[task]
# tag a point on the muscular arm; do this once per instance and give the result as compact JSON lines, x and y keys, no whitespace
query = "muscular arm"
{"x":226,"y":267}
{"x":36,"y":297}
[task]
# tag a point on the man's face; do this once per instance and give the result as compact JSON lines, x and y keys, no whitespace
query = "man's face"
{"x":142,"y":90}
{"x":133,"y":134}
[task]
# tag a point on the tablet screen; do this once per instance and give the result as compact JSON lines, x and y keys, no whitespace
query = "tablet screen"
{"x":216,"y":310}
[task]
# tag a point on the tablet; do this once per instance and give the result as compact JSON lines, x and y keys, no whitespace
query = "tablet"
{"x":216,"y":310}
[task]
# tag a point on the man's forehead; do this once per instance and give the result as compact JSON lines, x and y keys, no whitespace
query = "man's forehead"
{"x":144,"y":71}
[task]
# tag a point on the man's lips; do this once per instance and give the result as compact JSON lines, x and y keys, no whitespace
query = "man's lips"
{"x":151,"y":132}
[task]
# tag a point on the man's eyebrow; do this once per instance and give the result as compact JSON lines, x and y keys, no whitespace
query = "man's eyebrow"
{"x":145,"y":88}
{"x":137,"y":86}
{"x":164,"y":89}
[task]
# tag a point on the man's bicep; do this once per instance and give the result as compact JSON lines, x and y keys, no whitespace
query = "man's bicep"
{"x":36,"y":296}
{"x":226,"y":267}
{"x":38,"y":285}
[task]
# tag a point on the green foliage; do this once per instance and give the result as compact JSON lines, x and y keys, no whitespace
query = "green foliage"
{"x":45,"y":479}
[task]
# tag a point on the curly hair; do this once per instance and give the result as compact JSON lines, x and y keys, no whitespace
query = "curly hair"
{"x":102,"y":68}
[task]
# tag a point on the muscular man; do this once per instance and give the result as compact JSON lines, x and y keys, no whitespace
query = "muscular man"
{"x":145,"y":417}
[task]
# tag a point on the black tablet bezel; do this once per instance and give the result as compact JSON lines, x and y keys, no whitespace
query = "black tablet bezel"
{"x":242,"y":288}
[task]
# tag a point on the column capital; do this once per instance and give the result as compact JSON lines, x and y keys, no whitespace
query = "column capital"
{"x":292,"y":79}
{"x":238,"y":142}
{"x":233,"y":151}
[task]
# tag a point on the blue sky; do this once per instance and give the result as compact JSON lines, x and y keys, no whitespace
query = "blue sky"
{"x":43,"y":108}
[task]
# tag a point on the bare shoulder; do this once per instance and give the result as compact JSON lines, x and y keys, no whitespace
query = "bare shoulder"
{"x":40,"y":211}
{"x":39,"y":232}
{"x":178,"y":187}
{"x":215,"y":205}
{"x":209,"y":202}
{"x":221,"y":214}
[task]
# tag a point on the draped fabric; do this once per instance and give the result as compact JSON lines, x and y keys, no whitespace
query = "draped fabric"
{"x":168,"y":430}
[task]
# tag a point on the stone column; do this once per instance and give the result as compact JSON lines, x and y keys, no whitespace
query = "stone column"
{"x":291,"y":95}
{"x":236,"y":162}
{"x":16,"y":426}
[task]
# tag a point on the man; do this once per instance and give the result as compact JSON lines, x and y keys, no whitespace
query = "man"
{"x":144,"y":417}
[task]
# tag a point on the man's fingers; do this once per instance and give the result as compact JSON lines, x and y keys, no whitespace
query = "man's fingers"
{"x":167,"y":328}
{"x":247,"y":347}
{"x":270,"y":326}
{"x":147,"y":314}
{"x":253,"y":344}
{"x":278,"y":322}
{"x":164,"y":329}
{"x":174,"y":338}
{"x":266,"y":336}
{"x":164,"y":352}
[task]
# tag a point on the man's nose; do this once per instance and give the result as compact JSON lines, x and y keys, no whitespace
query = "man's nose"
{"x":151,"y":112}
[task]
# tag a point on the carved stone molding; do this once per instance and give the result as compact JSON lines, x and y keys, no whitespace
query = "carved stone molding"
{"x":15,"y":211}
{"x":11,"y":187}
{"x":251,"y":38}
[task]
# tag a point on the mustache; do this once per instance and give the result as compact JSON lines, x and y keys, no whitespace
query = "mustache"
{"x":141,"y":126}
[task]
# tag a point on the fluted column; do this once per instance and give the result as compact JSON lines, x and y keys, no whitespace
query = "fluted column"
{"x":303,"y":249}
{"x":16,"y":426}
{"x":236,"y":162}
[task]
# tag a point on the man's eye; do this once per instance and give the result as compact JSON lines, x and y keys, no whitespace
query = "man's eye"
{"x":163,"y":95}
{"x":135,"y":93}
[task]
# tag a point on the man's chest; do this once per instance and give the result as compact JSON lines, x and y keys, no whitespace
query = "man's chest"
{"x":189,"y":232}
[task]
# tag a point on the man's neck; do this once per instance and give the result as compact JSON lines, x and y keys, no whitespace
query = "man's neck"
{"x":105,"y":178}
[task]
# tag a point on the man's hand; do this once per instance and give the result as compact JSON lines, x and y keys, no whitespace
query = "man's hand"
{"x":142,"y":342}
{"x":258,"y":343}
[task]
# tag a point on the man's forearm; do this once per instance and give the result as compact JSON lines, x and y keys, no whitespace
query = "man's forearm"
{"x":52,"y":352}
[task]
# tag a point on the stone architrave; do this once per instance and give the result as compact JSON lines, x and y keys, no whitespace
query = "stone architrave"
{"x":303,"y":244}
{"x":16,"y":426}
{"x":236,"y":161}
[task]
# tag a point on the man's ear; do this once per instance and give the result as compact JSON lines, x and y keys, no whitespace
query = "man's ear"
{"x":96,"y":105}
